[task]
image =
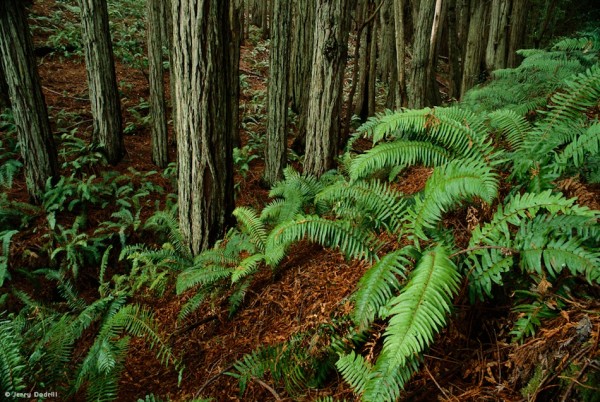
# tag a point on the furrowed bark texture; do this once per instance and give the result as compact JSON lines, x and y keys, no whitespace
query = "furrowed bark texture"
{"x":102,"y":80}
{"x":401,"y":98}
{"x":236,"y":19}
{"x":420,"y":77}
{"x":158,"y":113}
{"x":4,"y":96}
{"x":204,"y":144}
{"x":517,"y":31}
{"x":275,"y":150}
{"x":29,"y":108}
{"x":495,"y":54}
{"x":329,"y":61}
{"x":476,"y":41}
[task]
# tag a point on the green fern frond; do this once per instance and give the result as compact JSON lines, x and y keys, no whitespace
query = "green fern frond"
{"x":398,"y":153}
{"x":355,"y":370}
{"x":201,"y":276}
{"x":448,"y":185}
{"x":341,"y":234}
{"x":577,"y":150}
{"x":377,"y":286}
{"x":373,"y":200}
{"x":415,"y":316}
{"x":238,"y":295}
{"x":246,"y":267}
{"x":252,"y":226}
{"x":12,"y":365}
{"x":485,"y":268}
{"x":512,"y":124}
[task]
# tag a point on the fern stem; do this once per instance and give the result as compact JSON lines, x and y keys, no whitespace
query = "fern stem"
{"x":505,"y":250}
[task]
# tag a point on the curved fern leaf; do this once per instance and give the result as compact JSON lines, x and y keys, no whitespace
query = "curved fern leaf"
{"x":448,"y":185}
{"x":341,"y":234}
{"x":252,"y":226}
{"x":398,"y":153}
{"x":416,"y":315}
{"x":512,"y":124}
{"x":377,"y":286}
{"x":355,"y":370}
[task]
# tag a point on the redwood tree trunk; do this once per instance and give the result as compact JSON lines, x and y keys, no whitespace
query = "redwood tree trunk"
{"x":201,"y":69}
{"x":4,"y":96}
{"x":474,"y":55}
{"x":29,"y":108}
{"x":236,"y":19}
{"x":301,"y":65}
{"x":329,"y":62}
{"x":102,"y":80}
{"x":419,"y":85}
{"x":158,"y":124}
{"x":276,"y":147}
{"x":401,"y":98}
{"x":495,"y":54}
{"x":517,"y":32}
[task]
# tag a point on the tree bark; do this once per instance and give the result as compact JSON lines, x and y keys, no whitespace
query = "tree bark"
{"x":276,"y":146}
{"x":329,"y":62}
{"x":301,"y":68}
{"x":201,"y":67}
{"x":401,"y":97}
{"x":474,"y":55}
{"x":517,"y":32}
{"x":158,"y":116}
{"x":495,"y":54}
{"x":29,"y":109}
{"x":454,"y":52}
{"x":4,"y":96}
{"x":418,"y":96}
{"x":236,"y":20}
{"x":387,"y":52}
{"x":102,"y":80}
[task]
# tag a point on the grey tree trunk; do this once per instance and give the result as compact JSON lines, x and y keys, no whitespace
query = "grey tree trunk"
{"x":301,"y":65}
{"x":201,"y":69}
{"x":387,"y":52}
{"x":29,"y":108}
{"x":419,"y":85}
{"x":158,"y":114}
{"x":454,"y":52}
{"x":329,"y":62}
{"x":236,"y":20}
{"x":102,"y":80}
{"x":276,"y":146}
{"x":495,"y":54}
{"x":401,"y":98}
{"x":474,"y":55}
{"x":517,"y":32}
{"x":4,"y":96}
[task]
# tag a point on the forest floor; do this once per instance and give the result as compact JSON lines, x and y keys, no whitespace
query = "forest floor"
{"x":473,"y":358}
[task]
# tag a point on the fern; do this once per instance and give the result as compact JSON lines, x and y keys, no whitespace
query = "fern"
{"x":340,"y":234}
{"x":252,"y":226}
{"x":378,"y":285}
{"x":512,"y":124}
{"x":450,"y":184}
{"x":12,"y":364}
{"x":415,"y":316}
{"x":366,"y":201}
{"x":5,"y":237}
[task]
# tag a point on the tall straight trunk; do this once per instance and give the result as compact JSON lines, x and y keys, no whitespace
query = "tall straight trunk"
{"x":495,"y":54}
{"x":4,"y":96}
{"x":168,"y":35}
{"x":29,"y":108}
{"x":329,"y":62}
{"x":102,"y":80}
{"x":401,"y":98}
{"x":158,"y":114}
{"x":419,"y":85}
{"x":276,"y":147}
{"x":236,"y":20}
{"x":454,"y":52}
{"x":201,"y":68}
{"x":387,"y":53}
{"x":366,"y":54}
{"x":518,"y":18}
{"x":474,"y":55}
{"x":301,"y":65}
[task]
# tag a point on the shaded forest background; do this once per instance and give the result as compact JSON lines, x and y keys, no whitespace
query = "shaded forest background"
{"x":361,"y":200}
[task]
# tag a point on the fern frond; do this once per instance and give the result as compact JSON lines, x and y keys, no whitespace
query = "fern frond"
{"x":12,"y":365}
{"x":577,"y":150}
{"x":416,"y":315}
{"x":512,"y":124}
{"x":377,"y":286}
{"x":398,"y":153}
{"x":340,"y":234}
{"x":355,"y":370}
{"x":371,"y":200}
{"x":448,"y":185}
{"x":252,"y":226}
{"x":246,"y":267}
{"x":201,"y":276}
